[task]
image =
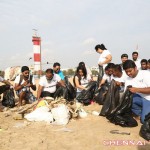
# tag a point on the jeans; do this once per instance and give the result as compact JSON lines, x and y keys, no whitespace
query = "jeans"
{"x":140,"y":106}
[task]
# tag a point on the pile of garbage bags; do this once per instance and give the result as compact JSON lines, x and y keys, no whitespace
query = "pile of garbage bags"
{"x":118,"y":109}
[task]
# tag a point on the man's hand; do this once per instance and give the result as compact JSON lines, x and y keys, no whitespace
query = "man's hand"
{"x":133,"y":90}
{"x":25,"y":83}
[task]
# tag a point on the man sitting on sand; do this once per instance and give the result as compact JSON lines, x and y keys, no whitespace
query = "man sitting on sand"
{"x":140,"y":82}
{"x":119,"y":76}
{"x":23,"y":83}
{"x":56,"y":68}
{"x":47,"y":84}
{"x":107,"y":75}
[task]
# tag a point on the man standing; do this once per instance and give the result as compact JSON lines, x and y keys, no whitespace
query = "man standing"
{"x":124,"y":57}
{"x":136,"y":59}
{"x":56,"y":68}
{"x":23,"y":83}
{"x":144,"y":65}
{"x":139,"y":80}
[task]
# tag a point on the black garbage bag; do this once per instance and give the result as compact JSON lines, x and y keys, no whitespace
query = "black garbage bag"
{"x":145,"y":128}
{"x":9,"y":98}
{"x":122,"y":114}
{"x":111,"y":99}
{"x":86,"y":96}
{"x":71,"y":91}
{"x":100,"y":94}
{"x":67,"y":92}
{"x":61,"y":92}
{"x":4,"y":88}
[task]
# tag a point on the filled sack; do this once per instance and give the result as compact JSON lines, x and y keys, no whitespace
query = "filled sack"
{"x":9,"y":98}
{"x":145,"y":128}
{"x":86,"y":96}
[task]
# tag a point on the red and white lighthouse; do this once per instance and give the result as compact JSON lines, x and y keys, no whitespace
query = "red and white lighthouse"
{"x":37,"y":52}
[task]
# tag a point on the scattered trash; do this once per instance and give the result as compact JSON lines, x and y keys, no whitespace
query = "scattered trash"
{"x":82,"y":113}
{"x":18,"y":116}
{"x":95,"y":113}
{"x":117,"y":132}
{"x":7,"y":113}
{"x":64,"y":129}
{"x":19,"y":125}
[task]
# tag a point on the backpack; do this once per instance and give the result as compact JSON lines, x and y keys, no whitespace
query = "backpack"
{"x":9,"y":98}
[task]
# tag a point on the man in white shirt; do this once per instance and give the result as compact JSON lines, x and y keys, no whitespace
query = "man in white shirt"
{"x":144,"y":65}
{"x":136,"y":59}
{"x":23,"y":83}
{"x":119,"y":76}
{"x":47,"y":84}
{"x":107,"y":75}
{"x":139,"y":80}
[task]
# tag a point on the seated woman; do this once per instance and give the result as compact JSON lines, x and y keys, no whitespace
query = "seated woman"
{"x":47,"y":84}
{"x":81,"y":79}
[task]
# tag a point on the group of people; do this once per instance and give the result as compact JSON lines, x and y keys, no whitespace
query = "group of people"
{"x":133,"y":72}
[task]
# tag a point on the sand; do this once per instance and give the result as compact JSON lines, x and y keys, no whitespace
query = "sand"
{"x":90,"y":133}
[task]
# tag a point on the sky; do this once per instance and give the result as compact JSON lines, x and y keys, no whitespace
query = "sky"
{"x":70,"y":30}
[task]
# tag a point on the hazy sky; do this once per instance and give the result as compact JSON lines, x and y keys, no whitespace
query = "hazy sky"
{"x":70,"y":29}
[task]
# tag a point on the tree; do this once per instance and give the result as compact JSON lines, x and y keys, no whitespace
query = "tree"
{"x":94,"y":72}
{"x":70,"y":72}
{"x":65,"y":72}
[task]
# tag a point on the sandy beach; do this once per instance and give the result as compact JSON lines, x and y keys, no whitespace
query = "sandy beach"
{"x":90,"y":133}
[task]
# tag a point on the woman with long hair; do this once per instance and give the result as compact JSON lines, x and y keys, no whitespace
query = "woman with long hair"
{"x":104,"y":59}
{"x":81,"y":79}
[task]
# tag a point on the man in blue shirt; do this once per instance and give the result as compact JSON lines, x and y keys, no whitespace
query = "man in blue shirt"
{"x":56,"y":68}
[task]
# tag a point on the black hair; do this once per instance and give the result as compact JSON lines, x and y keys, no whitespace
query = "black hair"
{"x":149,"y":61}
{"x":77,"y":74}
{"x":135,"y":53}
{"x":49,"y":70}
{"x":56,"y":64}
{"x":117,"y":67}
{"x":100,"y":46}
{"x":144,"y":61}
{"x":124,"y":55}
{"x":24,"y":68}
{"x":129,"y":64}
{"x":110,"y":65}
{"x":81,"y":63}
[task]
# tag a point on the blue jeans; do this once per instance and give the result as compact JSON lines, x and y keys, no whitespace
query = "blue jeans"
{"x":140,"y":106}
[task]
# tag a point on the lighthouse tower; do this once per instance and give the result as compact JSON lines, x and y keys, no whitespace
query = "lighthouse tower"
{"x":37,"y":52}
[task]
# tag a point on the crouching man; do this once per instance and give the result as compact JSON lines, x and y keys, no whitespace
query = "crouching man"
{"x":139,"y":79}
{"x":47,"y":84}
{"x":23,"y":83}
